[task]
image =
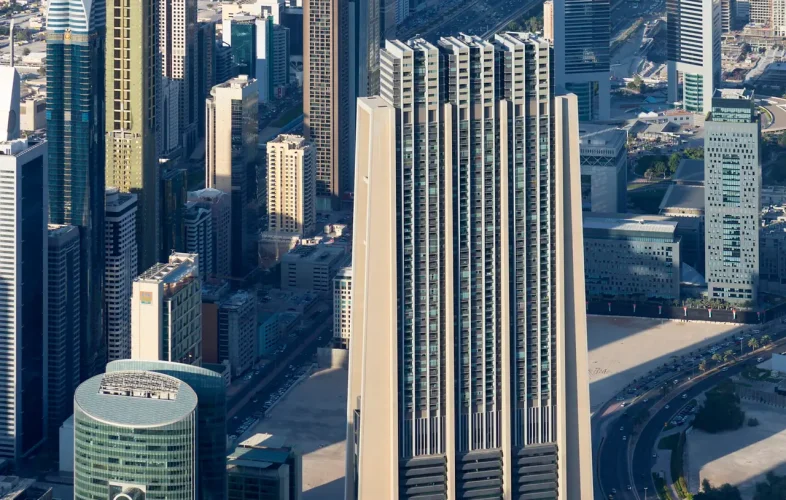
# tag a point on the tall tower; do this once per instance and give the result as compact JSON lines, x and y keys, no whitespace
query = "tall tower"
{"x":581,"y":31}
{"x":121,"y":269}
{"x":326,"y":95}
{"x":75,"y":51}
{"x":177,"y":40}
{"x":131,"y":113}
{"x":468,"y":348}
{"x":694,"y":50}
{"x":23,"y":279}
{"x":291,"y":185}
{"x":231,"y":161}
{"x":732,"y":173}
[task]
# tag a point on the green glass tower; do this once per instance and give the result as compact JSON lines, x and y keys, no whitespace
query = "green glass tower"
{"x":135,"y":437}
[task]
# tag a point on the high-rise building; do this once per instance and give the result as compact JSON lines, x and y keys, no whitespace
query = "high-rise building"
{"x":132,"y":100}
{"x":272,"y":58}
{"x":604,"y":168}
{"x":177,"y":41}
{"x":728,"y":15}
{"x":237,"y":332}
{"x":63,"y":318}
{"x":581,"y":36}
{"x":121,"y":269}
{"x":779,"y":17}
{"x":231,"y":161}
{"x":693,"y":41}
{"x":326,"y":97}
{"x":225,"y":67}
{"x":206,"y":68}
{"x":174,"y":193}
{"x":218,"y":203}
{"x":211,"y":418}
{"x":75,"y":52}
{"x":732,"y":178}
{"x":761,"y":11}
{"x":244,"y":44}
{"x":342,"y":308}
{"x":198,"y":235}
{"x":291,"y":185}
{"x":155,"y":417}
{"x":23,"y":278}
{"x":469,"y":261}
{"x":166,"y":312}
{"x":548,"y":20}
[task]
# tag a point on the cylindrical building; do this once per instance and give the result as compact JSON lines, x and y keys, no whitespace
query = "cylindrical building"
{"x":135,"y":437}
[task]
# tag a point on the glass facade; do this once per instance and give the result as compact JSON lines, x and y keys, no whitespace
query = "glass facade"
{"x":244,"y":47}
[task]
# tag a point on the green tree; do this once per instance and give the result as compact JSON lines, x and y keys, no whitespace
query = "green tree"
{"x":725,"y":492}
{"x":674,"y":162}
{"x":753,"y":343}
{"x":717,"y":357}
{"x":772,"y":488}
{"x":782,"y":139}
{"x":695,"y":153}
{"x":659,"y":168}
{"x":513,"y":26}
{"x":26,"y":52}
{"x":649,"y":174}
{"x":765,"y":339}
{"x":720,"y":411}
{"x":42,"y":70}
{"x":703,"y":365}
{"x":727,"y":355}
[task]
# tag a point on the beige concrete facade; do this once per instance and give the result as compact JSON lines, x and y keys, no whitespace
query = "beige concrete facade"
{"x":378,"y":451}
{"x":548,"y":20}
{"x":291,"y":185}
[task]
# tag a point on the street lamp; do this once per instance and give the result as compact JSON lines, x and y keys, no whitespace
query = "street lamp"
{"x":645,"y":493}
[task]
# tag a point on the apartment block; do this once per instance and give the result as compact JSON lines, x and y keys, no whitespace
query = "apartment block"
{"x":312,"y":267}
{"x":291,"y":185}
{"x":342,"y":307}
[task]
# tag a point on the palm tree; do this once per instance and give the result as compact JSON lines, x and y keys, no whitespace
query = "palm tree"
{"x":717,"y":357}
{"x":753,"y":343}
{"x":728,"y":355}
{"x":765,"y":339}
{"x":703,"y":365}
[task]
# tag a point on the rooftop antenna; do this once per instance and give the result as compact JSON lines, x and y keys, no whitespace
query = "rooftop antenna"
{"x":11,"y":41}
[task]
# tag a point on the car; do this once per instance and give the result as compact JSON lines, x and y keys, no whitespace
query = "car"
{"x":756,"y":332}
{"x":644,"y":400}
{"x":654,"y":455}
{"x":667,"y":407}
{"x":624,"y":438}
{"x":725,"y":369}
{"x":622,"y":429}
{"x":629,"y":487}
{"x":622,"y":405}
{"x":614,"y":491}
{"x":760,"y":359}
{"x":684,"y":396}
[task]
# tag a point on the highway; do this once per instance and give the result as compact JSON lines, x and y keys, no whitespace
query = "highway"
{"x":615,"y":471}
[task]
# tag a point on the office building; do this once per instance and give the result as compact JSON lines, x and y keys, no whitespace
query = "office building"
{"x":177,"y":42}
{"x":23,"y":279}
{"x":548,"y":20}
{"x":75,"y":52}
{"x":231,"y":162}
{"x":18,"y":488}
{"x":211,"y":418}
{"x":693,"y":41}
{"x":263,"y":468}
{"x":121,"y":269}
{"x":243,"y":40}
{"x":312,"y":267}
{"x":174,"y":193}
{"x":581,"y":36}
{"x":732,"y":176}
{"x":155,"y":417}
{"x":225,"y":67}
{"x":206,"y":68}
{"x":772,"y":259}
{"x":132,"y":100}
{"x":237,"y":332}
{"x":272,"y":58}
{"x":32,"y":113}
{"x":418,"y":414}
{"x":631,"y":258}
{"x":779,"y":17}
{"x":728,"y":15}
{"x":291,"y":185}
{"x":604,"y":168}
{"x":218,"y":203}
{"x":198,"y":222}
{"x":761,"y":11}
{"x":342,"y":308}
{"x":166,"y":310}
{"x":326,"y":97}
{"x":63,"y":319}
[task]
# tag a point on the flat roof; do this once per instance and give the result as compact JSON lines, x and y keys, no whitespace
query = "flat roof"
{"x":683,"y":196}
{"x":733,"y":94}
{"x":314,"y":253}
{"x":630,"y":225}
{"x":691,"y":171}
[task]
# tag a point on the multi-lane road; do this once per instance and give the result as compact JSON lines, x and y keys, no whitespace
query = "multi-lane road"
{"x":615,"y":471}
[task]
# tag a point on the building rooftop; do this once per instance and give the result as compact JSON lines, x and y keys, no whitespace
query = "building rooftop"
{"x":633,"y":225}
{"x":174,"y":271}
{"x":59,"y":230}
{"x":746,"y":94}
{"x":594,"y":136}
{"x":293,"y":141}
{"x":690,"y":172}
{"x":344,"y":272}
{"x":315,"y":253}
{"x":683,"y":196}
{"x":135,"y":399}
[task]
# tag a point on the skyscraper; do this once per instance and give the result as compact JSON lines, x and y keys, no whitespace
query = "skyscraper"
{"x":231,"y":161}
{"x":121,"y":269}
{"x":326,"y":97}
{"x":219,"y":204}
{"x":244,"y":44}
{"x":548,"y":20}
{"x":174,"y":193}
{"x":177,"y":38}
{"x":761,"y":11}
{"x":581,"y":31}
{"x":211,"y":418}
{"x":63,"y":318}
{"x":732,"y":206}
{"x":291,"y":185}
{"x":206,"y":68}
{"x":132,"y":101}
{"x":155,"y":417}
{"x":75,"y":80}
{"x":728,"y":15}
{"x":198,"y":225}
{"x":237,"y":332}
{"x":468,"y":351}
{"x":166,"y":318}
{"x":23,"y":279}
{"x":693,"y":41}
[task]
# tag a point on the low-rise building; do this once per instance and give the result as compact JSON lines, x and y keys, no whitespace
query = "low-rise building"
{"x":312,"y":267}
{"x":263,"y":468}
{"x":631,"y":257}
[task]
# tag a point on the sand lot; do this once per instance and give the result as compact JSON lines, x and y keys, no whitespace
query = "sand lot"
{"x":740,"y":457}
{"x":313,"y":420}
{"x":621,"y":349}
